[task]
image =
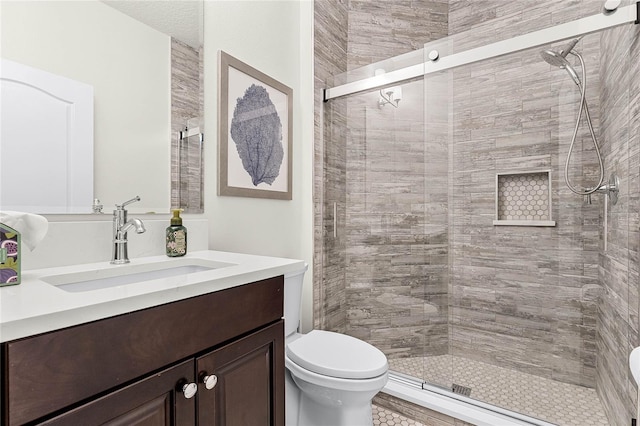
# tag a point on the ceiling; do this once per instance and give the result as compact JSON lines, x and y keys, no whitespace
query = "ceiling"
{"x":180,"y":19}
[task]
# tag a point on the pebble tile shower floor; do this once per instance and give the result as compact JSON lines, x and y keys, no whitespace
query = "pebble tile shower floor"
{"x":382,"y":417}
{"x":555,"y":402}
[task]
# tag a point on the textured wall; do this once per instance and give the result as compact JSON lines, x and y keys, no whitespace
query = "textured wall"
{"x":330,"y":38}
{"x":634,"y":211}
{"x":618,"y":306}
{"x":379,"y":30}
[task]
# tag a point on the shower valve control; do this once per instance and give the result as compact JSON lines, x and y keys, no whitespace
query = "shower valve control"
{"x":610,"y":188}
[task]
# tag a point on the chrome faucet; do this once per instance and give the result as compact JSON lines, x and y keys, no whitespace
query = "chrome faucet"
{"x":120,"y":228}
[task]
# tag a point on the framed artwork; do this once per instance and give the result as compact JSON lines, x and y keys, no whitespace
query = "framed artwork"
{"x":255,"y":122}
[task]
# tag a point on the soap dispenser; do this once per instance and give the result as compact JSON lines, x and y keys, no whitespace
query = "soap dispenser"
{"x":176,"y":241}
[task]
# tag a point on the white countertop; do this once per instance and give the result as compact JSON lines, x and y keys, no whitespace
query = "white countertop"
{"x":35,"y":306}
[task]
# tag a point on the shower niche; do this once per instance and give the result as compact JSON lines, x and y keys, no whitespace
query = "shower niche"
{"x":523,"y":199}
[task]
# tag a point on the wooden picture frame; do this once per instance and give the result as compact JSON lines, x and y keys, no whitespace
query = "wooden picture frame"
{"x":255,"y":132}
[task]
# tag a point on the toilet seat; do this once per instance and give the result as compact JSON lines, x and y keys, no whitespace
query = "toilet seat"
{"x":333,"y":384}
{"x":337,"y":355}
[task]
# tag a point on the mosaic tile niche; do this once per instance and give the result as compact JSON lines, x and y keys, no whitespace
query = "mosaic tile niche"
{"x":523,"y":199}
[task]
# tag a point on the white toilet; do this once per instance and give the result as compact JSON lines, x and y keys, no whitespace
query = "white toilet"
{"x":331,"y":378}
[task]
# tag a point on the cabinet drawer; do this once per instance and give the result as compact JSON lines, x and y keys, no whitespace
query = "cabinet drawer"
{"x":49,"y":372}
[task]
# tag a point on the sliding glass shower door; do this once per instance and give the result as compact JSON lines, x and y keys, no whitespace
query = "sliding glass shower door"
{"x":453,"y":243}
{"x":389,"y":237}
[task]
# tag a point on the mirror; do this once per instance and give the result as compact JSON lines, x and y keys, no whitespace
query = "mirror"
{"x":128,"y":51}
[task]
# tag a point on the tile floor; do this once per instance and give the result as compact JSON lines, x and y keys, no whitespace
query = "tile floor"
{"x":382,"y":417}
{"x":555,"y":402}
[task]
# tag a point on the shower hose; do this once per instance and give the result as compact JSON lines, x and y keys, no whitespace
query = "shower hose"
{"x":583,"y":106}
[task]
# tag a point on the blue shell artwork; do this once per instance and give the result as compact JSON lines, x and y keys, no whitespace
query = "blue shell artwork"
{"x":257,"y":132}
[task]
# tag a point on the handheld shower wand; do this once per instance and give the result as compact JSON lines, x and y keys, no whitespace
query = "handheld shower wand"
{"x":559,"y":59}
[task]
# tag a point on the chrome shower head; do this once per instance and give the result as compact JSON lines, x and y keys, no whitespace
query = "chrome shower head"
{"x":554,"y":58}
{"x":559,"y":59}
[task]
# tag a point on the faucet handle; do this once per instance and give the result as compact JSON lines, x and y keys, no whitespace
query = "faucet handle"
{"x":96,"y":206}
{"x":126,"y":203}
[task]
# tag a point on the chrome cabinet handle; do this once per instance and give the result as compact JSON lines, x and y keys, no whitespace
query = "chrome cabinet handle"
{"x":189,"y":390}
{"x":210,"y":381}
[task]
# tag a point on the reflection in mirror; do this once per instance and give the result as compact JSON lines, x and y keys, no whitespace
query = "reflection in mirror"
{"x":132,"y":67}
{"x":47,"y":132}
{"x":183,"y":21}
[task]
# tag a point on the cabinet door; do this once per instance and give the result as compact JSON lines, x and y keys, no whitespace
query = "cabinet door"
{"x":157,"y":400}
{"x":250,"y":381}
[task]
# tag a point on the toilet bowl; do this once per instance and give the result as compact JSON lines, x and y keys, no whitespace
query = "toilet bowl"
{"x":331,"y":378}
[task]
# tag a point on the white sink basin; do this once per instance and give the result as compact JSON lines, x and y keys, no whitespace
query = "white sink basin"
{"x":122,"y":275}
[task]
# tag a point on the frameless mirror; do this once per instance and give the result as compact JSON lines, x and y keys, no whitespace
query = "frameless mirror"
{"x":130,"y":53}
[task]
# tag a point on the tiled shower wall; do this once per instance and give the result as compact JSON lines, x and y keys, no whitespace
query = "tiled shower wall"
{"x":522,"y":297}
{"x":618,"y":306}
{"x":633,"y":283}
{"x":330,"y":38}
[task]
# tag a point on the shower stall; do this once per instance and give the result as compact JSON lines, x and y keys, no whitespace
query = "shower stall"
{"x":447,"y":234}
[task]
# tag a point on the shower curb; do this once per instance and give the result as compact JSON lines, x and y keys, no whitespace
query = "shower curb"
{"x":476,"y":413}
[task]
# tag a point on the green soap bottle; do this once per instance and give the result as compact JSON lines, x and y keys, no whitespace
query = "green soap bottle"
{"x":176,"y":241}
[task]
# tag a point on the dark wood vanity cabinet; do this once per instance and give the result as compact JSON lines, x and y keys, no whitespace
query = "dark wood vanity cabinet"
{"x":155,"y":400}
{"x":250,"y":381}
{"x":139,"y":368}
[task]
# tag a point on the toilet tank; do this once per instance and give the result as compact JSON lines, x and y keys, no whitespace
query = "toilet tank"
{"x":293,"y":299}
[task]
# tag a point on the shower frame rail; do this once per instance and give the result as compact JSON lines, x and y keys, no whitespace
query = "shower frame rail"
{"x":591,"y":24}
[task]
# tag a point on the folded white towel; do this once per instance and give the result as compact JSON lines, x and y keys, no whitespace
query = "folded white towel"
{"x":634,"y":365}
{"x":32,"y":227}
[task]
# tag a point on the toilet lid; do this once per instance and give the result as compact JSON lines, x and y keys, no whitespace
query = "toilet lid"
{"x":337,"y":355}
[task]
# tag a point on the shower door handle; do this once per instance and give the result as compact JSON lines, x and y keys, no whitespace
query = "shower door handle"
{"x":335,"y":220}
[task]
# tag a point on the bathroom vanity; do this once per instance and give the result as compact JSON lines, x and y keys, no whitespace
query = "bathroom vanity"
{"x":207,"y":349}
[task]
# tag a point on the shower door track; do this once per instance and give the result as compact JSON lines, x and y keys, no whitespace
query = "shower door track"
{"x":400,"y":385}
{"x":577,"y":28}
